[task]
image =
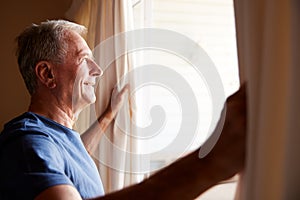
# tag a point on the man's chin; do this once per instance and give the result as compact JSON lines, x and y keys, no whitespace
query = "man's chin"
{"x":90,"y":101}
{"x":93,"y":101}
{"x":83,"y":103}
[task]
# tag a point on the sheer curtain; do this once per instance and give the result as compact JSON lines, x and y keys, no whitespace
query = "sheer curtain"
{"x":268,"y":48}
{"x":105,"y":19}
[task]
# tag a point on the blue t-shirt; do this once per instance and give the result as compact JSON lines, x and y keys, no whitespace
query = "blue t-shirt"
{"x":37,"y":153}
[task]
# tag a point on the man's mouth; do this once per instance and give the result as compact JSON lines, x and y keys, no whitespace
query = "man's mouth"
{"x":89,"y":83}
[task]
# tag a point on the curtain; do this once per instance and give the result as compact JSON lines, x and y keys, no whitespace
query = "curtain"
{"x":268,"y":48}
{"x":105,"y":19}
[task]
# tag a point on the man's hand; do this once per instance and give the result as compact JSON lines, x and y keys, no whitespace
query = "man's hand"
{"x":91,"y":137}
{"x":228,"y":155}
{"x":116,"y":101}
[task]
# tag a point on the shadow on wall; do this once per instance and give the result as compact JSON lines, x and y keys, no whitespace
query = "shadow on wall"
{"x":15,"y":16}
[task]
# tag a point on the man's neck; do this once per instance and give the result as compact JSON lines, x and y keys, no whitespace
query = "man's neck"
{"x":52,"y":109}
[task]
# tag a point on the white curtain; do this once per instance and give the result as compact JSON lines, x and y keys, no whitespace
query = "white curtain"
{"x":268,"y":48}
{"x":104,"y":19}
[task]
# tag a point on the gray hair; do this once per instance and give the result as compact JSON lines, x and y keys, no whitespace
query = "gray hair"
{"x":44,"y":42}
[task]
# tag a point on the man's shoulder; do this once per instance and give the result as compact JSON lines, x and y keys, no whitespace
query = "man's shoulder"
{"x":25,"y":138}
{"x":24,"y":126}
{"x":26,"y":122}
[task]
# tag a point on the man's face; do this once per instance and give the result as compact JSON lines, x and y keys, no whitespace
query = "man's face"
{"x":77,"y":75}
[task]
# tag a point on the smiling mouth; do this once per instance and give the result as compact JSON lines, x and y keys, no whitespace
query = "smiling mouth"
{"x":89,"y":83}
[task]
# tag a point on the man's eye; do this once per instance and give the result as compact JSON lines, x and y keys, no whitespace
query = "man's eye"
{"x":85,"y":59}
{"x":82,"y":59}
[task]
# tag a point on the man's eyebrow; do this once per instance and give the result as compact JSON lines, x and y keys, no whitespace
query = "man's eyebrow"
{"x":86,"y":53}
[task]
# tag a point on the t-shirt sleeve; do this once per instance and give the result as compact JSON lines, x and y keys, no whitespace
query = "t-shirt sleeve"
{"x":34,"y":164}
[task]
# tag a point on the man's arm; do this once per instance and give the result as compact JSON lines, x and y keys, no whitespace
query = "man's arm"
{"x":92,"y":136}
{"x":190,"y":176}
{"x":59,"y":192}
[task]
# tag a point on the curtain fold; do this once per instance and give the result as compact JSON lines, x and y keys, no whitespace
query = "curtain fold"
{"x":267,"y":32}
{"x":105,"y":19}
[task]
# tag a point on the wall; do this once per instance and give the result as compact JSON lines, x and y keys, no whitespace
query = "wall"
{"x":14,"y":17}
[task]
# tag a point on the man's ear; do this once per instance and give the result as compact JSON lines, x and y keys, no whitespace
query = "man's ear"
{"x":44,"y":72}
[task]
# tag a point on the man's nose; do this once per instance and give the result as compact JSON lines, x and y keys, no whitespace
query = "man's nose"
{"x":95,"y":69}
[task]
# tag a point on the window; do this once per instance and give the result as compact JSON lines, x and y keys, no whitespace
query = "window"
{"x":211,"y":24}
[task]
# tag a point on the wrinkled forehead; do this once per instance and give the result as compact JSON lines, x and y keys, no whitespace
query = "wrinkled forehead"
{"x":76,"y":45}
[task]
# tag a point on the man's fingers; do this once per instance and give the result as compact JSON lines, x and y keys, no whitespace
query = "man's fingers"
{"x":124,"y":89}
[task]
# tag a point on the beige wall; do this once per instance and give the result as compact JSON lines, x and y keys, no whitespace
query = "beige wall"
{"x":14,"y":16}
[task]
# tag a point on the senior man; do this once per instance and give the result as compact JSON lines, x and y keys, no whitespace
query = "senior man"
{"x":42,"y":157}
